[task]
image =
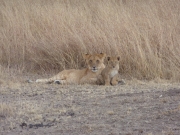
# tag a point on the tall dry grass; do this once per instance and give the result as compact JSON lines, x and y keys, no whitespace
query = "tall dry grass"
{"x":52,"y":34}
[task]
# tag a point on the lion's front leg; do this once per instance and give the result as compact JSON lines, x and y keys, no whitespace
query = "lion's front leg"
{"x":60,"y":78}
{"x":44,"y":81}
{"x":100,"y":80}
{"x":117,"y":80}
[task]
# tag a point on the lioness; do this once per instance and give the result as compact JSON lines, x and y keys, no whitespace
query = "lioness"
{"x":95,"y":64}
{"x":110,"y":75}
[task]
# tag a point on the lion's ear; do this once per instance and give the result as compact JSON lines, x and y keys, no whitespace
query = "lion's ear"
{"x":108,"y":58}
{"x":118,"y":58}
{"x":85,"y":56}
{"x":102,"y":55}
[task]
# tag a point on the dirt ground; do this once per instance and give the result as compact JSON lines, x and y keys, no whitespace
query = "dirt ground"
{"x":138,"y":107}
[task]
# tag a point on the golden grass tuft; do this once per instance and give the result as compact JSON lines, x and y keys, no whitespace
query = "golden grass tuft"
{"x":44,"y":35}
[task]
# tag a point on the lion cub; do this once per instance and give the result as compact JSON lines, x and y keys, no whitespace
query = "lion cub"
{"x":110,"y":75}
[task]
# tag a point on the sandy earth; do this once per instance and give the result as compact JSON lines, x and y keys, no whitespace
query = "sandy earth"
{"x":136,"y":108}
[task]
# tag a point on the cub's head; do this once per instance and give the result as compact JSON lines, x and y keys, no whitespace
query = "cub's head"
{"x":113,"y":62}
{"x":95,"y":62}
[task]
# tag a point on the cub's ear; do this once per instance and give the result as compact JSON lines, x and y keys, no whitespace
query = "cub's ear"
{"x":102,"y":55}
{"x":108,"y":58}
{"x":118,"y":58}
{"x":85,"y":56}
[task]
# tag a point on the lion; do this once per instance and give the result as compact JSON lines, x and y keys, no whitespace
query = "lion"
{"x":110,"y":75}
{"x":95,"y":65}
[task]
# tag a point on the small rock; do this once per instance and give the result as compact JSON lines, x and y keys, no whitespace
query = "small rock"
{"x":23,"y":125}
{"x":70,"y":113}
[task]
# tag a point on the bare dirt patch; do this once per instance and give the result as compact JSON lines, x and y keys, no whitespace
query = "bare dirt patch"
{"x":135,"y":108}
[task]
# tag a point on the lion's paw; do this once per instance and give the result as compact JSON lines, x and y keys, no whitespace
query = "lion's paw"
{"x":122,"y":82}
{"x":57,"y":82}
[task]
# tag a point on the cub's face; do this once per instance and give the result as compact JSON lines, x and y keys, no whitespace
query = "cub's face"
{"x":95,"y":61}
{"x":113,"y":62}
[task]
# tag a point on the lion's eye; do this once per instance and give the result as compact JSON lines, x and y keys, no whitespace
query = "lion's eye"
{"x":90,"y":61}
{"x":97,"y":61}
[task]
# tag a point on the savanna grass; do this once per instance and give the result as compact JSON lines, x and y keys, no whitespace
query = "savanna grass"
{"x":45,"y":35}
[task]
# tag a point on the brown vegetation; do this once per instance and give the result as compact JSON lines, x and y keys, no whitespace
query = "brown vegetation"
{"x":41,"y":35}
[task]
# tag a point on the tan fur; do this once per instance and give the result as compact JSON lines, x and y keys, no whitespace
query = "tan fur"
{"x":117,"y":80}
{"x":110,"y":75}
{"x":95,"y":64}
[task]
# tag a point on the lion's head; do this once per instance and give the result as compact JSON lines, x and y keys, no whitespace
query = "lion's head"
{"x":95,"y":62}
{"x":113,"y":62}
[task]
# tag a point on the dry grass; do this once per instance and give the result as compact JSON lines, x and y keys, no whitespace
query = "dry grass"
{"x":89,"y":109}
{"x":5,"y":110}
{"x":44,"y":35}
